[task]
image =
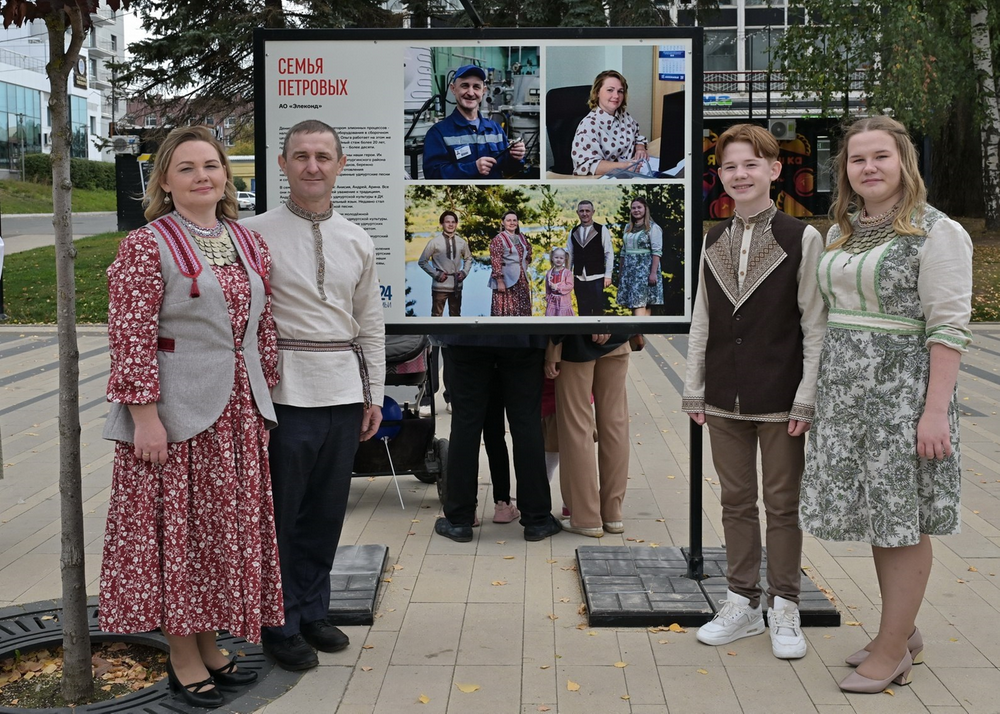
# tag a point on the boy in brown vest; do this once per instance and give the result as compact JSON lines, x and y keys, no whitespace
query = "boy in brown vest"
{"x":753,"y":355}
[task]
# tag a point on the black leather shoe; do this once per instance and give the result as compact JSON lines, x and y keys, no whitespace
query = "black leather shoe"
{"x":230,"y":676}
{"x":460,"y":534}
{"x":195,"y":694}
{"x":324,"y":636}
{"x":292,"y":653}
{"x":541,"y":531}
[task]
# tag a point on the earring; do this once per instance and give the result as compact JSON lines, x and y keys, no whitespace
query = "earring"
{"x":166,"y":199}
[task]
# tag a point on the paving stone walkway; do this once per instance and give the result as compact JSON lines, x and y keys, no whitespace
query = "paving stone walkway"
{"x":505,"y":615}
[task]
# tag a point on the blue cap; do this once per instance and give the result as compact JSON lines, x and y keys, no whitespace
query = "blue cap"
{"x":470,"y":69}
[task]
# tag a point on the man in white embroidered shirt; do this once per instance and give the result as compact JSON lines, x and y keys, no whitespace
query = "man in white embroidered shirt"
{"x":331,"y":346}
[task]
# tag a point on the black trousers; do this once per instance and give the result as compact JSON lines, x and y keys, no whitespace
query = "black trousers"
{"x":496,"y":445}
{"x":590,"y":298}
{"x":312,"y":457}
{"x":517,"y":373}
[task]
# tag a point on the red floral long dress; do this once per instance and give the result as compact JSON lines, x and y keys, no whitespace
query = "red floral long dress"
{"x":515,"y":300}
{"x":189,"y":546}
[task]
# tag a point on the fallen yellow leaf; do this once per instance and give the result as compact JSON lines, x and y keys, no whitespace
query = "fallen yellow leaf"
{"x":592,"y":633}
{"x":545,"y":666}
{"x":853,"y":623}
{"x":626,"y":697}
{"x":499,"y":582}
{"x":731,"y":653}
{"x":467,"y":688}
{"x":973,"y":569}
{"x":582,"y":610}
{"x":106,"y":688}
{"x":551,"y":560}
{"x":564,"y":599}
{"x":367,"y":647}
{"x":671,"y":477}
{"x":702,"y":671}
{"x":508,"y":557}
{"x":424,"y":699}
{"x":543,"y":708}
{"x":501,"y":542}
{"x":664,"y":642}
{"x":572,"y":686}
{"x":397,"y":566}
{"x":366,"y":669}
{"x":674,"y":627}
{"x":890,"y":692}
{"x":621,"y":665}
{"x":553,"y":616}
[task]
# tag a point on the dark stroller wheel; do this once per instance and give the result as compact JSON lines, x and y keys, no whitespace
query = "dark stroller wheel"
{"x":442,"y":481}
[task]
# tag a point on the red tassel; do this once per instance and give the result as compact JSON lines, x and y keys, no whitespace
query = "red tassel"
{"x":195,"y":292}
{"x":267,"y":286}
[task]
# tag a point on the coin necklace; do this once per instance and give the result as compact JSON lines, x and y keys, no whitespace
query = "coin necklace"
{"x":215,"y":242}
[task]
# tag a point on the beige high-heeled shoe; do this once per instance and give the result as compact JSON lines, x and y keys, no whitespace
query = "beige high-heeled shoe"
{"x":855,"y":682}
{"x":915,"y":644}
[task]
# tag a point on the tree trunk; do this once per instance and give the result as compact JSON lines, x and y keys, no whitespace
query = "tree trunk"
{"x":955,"y":184}
{"x":982,"y":58}
{"x":77,"y":680}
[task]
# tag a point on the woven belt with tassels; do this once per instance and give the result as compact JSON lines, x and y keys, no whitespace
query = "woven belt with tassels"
{"x":349,"y":346}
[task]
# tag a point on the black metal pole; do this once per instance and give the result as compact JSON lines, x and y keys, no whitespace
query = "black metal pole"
{"x":696,"y":561}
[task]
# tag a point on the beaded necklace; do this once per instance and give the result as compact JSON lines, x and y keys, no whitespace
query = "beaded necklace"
{"x":215,"y":242}
{"x":872,"y":231}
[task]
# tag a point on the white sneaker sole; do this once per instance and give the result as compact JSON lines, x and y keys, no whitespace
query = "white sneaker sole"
{"x":724,"y":639}
{"x":788,"y":651}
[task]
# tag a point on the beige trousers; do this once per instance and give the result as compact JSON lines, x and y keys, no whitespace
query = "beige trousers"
{"x":593,"y":488}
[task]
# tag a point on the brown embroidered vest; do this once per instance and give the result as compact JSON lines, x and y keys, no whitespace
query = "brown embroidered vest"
{"x":754,"y":348}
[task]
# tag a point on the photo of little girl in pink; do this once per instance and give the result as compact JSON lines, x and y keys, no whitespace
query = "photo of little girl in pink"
{"x":559,"y":286}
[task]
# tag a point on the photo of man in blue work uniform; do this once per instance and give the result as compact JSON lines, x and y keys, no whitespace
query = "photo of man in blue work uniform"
{"x":466,"y":145}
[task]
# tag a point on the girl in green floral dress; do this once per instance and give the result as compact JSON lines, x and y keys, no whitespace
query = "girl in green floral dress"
{"x":882,"y":464}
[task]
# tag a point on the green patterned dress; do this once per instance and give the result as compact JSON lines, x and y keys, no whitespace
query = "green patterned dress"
{"x":890,"y":297}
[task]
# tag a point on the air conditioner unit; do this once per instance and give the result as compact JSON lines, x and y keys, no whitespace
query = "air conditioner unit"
{"x":782,"y":129}
{"x":125,"y":144}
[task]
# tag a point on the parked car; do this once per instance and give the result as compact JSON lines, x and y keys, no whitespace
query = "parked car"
{"x":247,"y":200}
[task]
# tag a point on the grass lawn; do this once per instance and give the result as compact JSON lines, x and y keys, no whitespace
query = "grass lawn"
{"x":30,"y":277}
{"x":27,"y":197}
{"x":29,"y":281}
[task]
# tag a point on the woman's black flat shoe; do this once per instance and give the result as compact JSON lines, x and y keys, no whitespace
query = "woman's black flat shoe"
{"x":230,"y":676}
{"x":195,"y":694}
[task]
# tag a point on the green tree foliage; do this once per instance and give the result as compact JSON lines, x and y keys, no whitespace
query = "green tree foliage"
{"x":479,"y":208}
{"x":565,"y":13}
{"x":204,"y":50}
{"x":912,"y":59}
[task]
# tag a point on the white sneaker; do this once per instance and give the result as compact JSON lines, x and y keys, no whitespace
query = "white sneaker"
{"x":735,"y":620}
{"x":424,"y":411}
{"x":785,"y":626}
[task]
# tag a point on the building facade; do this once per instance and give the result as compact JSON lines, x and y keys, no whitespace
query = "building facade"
{"x":25,"y":119}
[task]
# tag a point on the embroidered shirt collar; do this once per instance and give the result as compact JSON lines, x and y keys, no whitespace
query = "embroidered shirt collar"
{"x":766,"y":215}
{"x":308,"y":215}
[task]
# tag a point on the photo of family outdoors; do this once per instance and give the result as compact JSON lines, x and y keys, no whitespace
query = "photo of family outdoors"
{"x":500,"y":251}
{"x":509,"y":183}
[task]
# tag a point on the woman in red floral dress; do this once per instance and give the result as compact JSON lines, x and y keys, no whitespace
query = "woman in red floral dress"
{"x":190,"y":544}
{"x":510,"y":256}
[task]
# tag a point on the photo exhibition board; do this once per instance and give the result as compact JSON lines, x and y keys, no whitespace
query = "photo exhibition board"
{"x":606,"y":218}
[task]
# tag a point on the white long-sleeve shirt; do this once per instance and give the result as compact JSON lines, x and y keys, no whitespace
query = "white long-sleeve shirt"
{"x":352,"y":309}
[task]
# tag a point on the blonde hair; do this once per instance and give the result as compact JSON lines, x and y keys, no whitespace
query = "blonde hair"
{"x":847,"y":203}
{"x":764,"y":145}
{"x":647,"y":222}
{"x":595,"y":90}
{"x":155,"y":200}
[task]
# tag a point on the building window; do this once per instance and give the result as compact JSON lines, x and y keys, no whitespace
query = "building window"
{"x":209,"y":121}
{"x":760,"y":45}
{"x":93,"y":125}
{"x":230,"y":122}
{"x":114,"y":43}
{"x":230,"y":140}
{"x":78,"y":127}
{"x":151,"y":120}
{"x":720,"y":50}
{"x":93,"y":68}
